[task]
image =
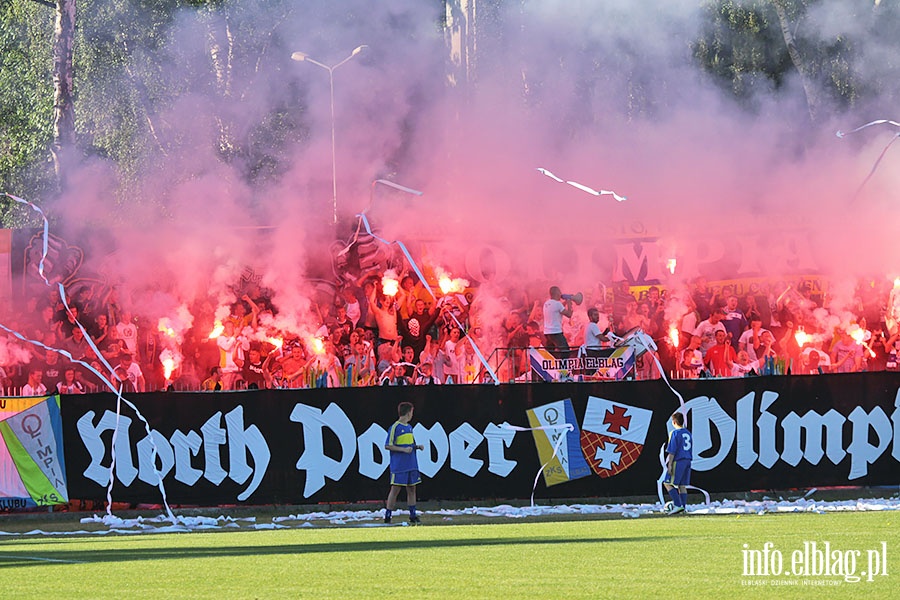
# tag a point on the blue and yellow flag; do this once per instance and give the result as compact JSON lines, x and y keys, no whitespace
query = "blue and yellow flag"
{"x":32,"y":467}
{"x":550,"y":431}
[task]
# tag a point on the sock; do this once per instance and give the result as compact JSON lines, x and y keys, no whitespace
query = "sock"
{"x":387,"y":513}
{"x":683,"y":498}
{"x":412,"y":511}
{"x":676,"y":497}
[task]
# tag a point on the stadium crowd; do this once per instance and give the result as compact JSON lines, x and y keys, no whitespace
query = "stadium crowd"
{"x":369,"y":334}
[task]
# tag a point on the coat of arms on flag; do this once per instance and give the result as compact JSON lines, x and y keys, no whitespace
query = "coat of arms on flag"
{"x":613,"y":435}
{"x":557,"y":446}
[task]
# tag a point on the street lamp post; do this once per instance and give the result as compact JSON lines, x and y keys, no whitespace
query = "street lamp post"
{"x":303,"y":57}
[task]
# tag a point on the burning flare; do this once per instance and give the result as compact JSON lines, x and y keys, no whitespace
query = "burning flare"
{"x":390,"y":285}
{"x":448,"y":284}
{"x":802,"y":337}
{"x":217,"y":331}
{"x":859,"y":336}
{"x":165,"y":326}
{"x":673,"y":336}
{"x":670,"y":265}
{"x":170,"y":361}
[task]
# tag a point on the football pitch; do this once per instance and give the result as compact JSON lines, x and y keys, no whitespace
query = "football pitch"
{"x":694,"y":556}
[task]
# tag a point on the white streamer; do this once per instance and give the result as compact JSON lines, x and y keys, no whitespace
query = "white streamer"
{"x":415,"y":267}
{"x":100,"y":357}
{"x":581,"y":186}
{"x":842,"y":134}
{"x":665,"y":471}
{"x":562,"y":438}
{"x":642,"y":338}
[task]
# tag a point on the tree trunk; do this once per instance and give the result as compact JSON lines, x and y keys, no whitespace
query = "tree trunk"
{"x":812,"y":101}
{"x":63,"y":77}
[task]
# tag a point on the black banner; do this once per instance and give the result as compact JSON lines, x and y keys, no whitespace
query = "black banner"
{"x":327,"y":445}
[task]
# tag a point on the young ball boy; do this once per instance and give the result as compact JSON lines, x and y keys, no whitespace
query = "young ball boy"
{"x":678,"y":464}
{"x":404,"y":466}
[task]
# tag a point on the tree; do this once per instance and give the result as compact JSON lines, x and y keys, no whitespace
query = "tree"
{"x":754,"y":47}
{"x":26,"y":104}
{"x":63,"y":83}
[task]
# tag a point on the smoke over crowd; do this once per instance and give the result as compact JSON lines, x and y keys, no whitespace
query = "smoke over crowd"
{"x":608,"y":95}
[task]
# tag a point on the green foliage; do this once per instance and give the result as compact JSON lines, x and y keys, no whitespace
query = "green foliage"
{"x":140,"y":64}
{"x":743,"y":49}
{"x":130,"y":77}
{"x":26,"y":103}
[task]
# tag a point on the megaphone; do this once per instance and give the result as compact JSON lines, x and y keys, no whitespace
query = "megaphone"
{"x":576,"y":298}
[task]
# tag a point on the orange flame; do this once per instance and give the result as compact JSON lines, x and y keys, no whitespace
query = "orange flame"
{"x":452,"y":286}
{"x":670,"y":265}
{"x":449,"y":284}
{"x":318,"y":346}
{"x":389,"y":285}
{"x":169,"y":360}
{"x":277,"y":342}
{"x":168,"y":367}
{"x":446,"y":284}
{"x":802,"y":337}
{"x":673,"y":336}
{"x":859,"y":336}
{"x":217,"y":331}
{"x":165,"y":327}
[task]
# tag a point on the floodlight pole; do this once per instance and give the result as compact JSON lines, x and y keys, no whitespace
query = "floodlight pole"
{"x":303,"y":57}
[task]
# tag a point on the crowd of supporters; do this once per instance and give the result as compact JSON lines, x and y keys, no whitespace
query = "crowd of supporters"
{"x":363,"y":336}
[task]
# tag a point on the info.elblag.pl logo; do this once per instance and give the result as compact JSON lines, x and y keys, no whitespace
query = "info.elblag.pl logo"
{"x":815,"y":563}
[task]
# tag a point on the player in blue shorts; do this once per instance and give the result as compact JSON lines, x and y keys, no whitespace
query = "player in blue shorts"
{"x":404,"y":466}
{"x":678,"y":464}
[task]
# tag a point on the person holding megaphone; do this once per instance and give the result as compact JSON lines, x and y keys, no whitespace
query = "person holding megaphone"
{"x":554,"y":311}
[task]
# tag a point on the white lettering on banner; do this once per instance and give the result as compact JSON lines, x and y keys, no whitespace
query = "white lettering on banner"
{"x":313,"y":460}
{"x":487,"y":263}
{"x":706,"y":414}
{"x":813,"y":425}
{"x":463,"y":442}
{"x":435,"y":436}
{"x":213,"y":437}
{"x":458,"y":446}
{"x":370,"y":445}
{"x":240,"y":442}
{"x":186,"y":446}
{"x":762,"y":438}
{"x":896,"y":419}
{"x":146,"y":460}
{"x":178,"y":451}
{"x":90,"y":436}
{"x":498,"y":438}
{"x":646,"y":258}
{"x":862,"y":453}
{"x":746,"y":455}
{"x":766,"y":423}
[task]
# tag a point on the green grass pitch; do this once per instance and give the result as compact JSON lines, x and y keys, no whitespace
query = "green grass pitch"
{"x":653,"y":557}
